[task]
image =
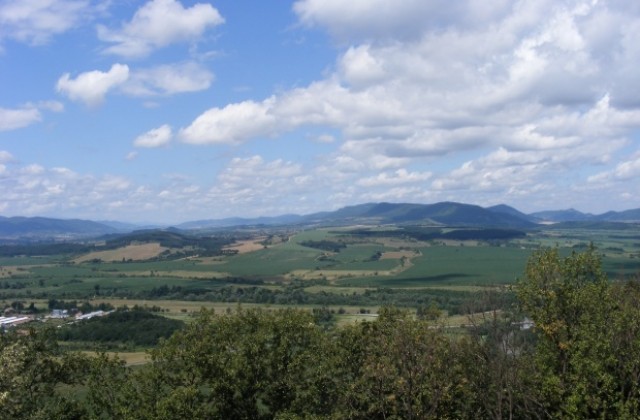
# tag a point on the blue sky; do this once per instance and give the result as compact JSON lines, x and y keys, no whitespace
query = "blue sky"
{"x":168,"y":111}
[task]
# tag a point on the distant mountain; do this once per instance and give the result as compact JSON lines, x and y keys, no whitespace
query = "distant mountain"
{"x":239,"y":221}
{"x":120,"y":226}
{"x":572,"y":215}
{"x":622,"y":216}
{"x":46,"y":228}
{"x":504,"y":209}
{"x":445,"y":213}
{"x":569,"y":215}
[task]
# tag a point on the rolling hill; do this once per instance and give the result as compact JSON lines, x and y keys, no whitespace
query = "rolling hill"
{"x":443,"y":214}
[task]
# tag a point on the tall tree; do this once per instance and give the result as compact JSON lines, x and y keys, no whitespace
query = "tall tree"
{"x":569,"y":300}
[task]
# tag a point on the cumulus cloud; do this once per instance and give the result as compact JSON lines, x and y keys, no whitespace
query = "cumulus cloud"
{"x":34,"y":190}
{"x":154,"y":138}
{"x":5,"y":156}
{"x":232,"y":124}
{"x":628,"y":169}
{"x":11,"y":119}
{"x":168,"y":79}
{"x":531,"y":90}
{"x":401,"y":176}
{"x":360,"y":68}
{"x":157,"y":24}
{"x":274,"y":187}
{"x":35,"y":22}
{"x":91,"y":87}
{"x":29,"y":113}
{"x":427,"y":100}
{"x":325,"y":138}
{"x":363,"y":20}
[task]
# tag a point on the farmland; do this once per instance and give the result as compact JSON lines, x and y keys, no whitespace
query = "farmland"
{"x":348,"y":266}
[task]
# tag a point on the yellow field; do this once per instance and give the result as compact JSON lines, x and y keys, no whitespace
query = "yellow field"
{"x":249,"y":245}
{"x":9,"y":270}
{"x":130,"y":252}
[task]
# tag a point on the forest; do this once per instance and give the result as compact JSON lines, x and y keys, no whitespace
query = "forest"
{"x":579,"y":359}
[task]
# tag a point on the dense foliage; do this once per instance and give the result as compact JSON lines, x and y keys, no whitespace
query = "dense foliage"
{"x":295,"y":294}
{"x":580,"y":360}
{"x":324,"y":245}
{"x":134,"y":327}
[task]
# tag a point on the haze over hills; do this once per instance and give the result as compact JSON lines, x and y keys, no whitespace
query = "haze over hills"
{"x":44,"y":227}
{"x":444,"y":213}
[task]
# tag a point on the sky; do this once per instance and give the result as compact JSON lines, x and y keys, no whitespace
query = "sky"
{"x":167,"y":111}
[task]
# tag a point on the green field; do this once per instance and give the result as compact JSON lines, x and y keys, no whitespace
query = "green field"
{"x":346,"y":266}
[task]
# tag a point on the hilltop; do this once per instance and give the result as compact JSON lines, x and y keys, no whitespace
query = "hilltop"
{"x":15,"y":229}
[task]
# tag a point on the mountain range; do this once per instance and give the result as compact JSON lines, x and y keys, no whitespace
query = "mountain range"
{"x":444,"y":213}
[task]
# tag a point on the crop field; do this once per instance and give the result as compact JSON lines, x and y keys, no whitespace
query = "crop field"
{"x":135,"y":252}
{"x":308,"y":266}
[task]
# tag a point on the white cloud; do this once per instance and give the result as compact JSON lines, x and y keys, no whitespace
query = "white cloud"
{"x":5,"y":156}
{"x":112,"y":183}
{"x":33,"y":169}
{"x":29,"y":113}
{"x":168,"y":79}
{"x":157,"y":24}
{"x":53,"y":106}
{"x":91,"y":87}
{"x":155,"y":138}
{"x":11,"y":119}
{"x":35,"y":22}
{"x":413,"y":194}
{"x":399,"y":177}
{"x":418,"y":81}
{"x":360,"y":68}
{"x":381,"y":19}
{"x":427,"y":100}
{"x":325,"y":138}
{"x":626,"y":170}
{"x":263,"y":187}
{"x":232,"y":124}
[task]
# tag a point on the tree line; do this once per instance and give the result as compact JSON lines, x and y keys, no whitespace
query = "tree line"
{"x":581,"y":359}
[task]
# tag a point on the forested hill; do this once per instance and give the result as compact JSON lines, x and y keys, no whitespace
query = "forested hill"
{"x":444,"y":214}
